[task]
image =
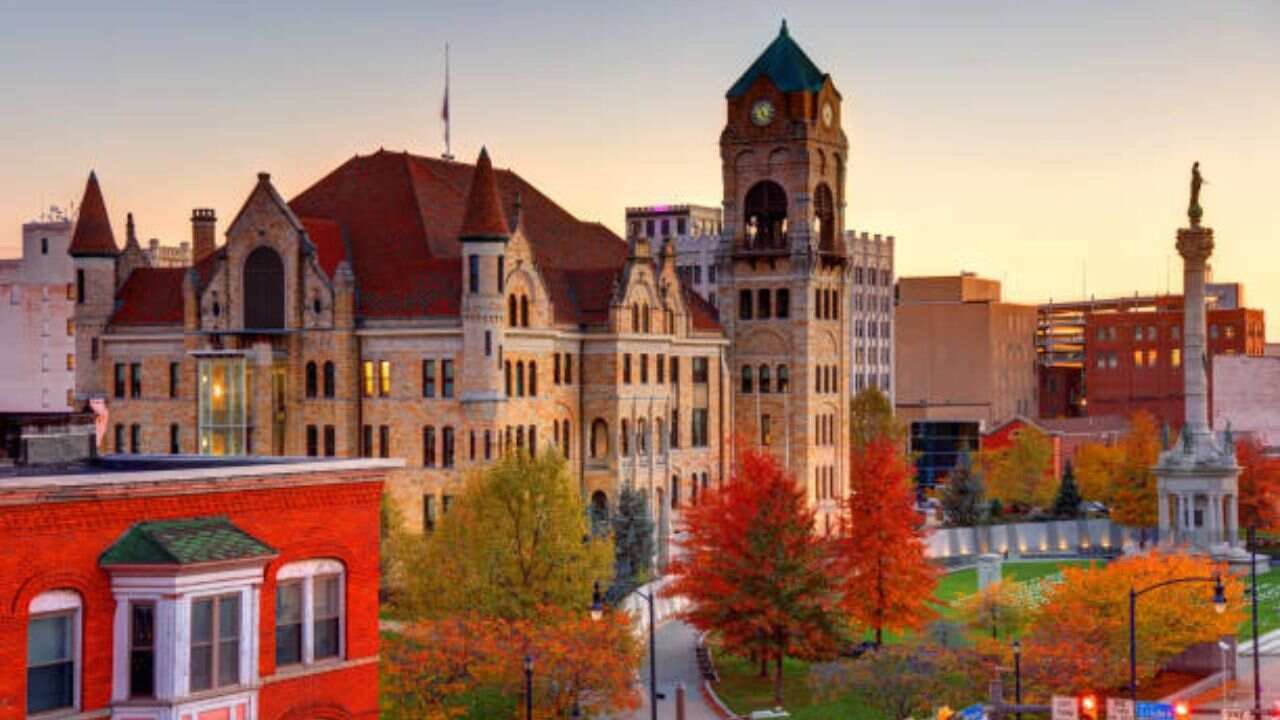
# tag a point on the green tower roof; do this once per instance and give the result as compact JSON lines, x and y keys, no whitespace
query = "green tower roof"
{"x":785,"y":64}
{"x":184,"y":542}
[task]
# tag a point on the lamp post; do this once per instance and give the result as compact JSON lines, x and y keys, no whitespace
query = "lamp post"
{"x":1017,"y":678}
{"x":597,"y":611}
{"x":1219,"y":605}
{"x":1253,"y":592}
{"x":528,"y":687}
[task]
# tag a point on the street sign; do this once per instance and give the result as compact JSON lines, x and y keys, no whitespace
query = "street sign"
{"x":1119,"y":709}
{"x":973,"y":712}
{"x":1065,"y":708}
{"x":1153,"y":711}
{"x":1235,"y":714}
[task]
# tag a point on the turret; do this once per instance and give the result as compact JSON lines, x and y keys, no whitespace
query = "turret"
{"x":132,"y":257}
{"x":93,"y":253}
{"x":483,"y":236}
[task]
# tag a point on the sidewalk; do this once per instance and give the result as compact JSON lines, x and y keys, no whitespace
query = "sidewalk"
{"x":675,"y":642}
{"x":1240,"y":692}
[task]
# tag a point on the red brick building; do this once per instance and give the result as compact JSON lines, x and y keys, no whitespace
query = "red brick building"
{"x":1133,"y":358}
{"x":191,"y":589}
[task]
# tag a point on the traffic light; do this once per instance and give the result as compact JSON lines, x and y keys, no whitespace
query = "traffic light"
{"x":945,"y":713}
{"x":1181,"y":709}
{"x":1088,"y":707}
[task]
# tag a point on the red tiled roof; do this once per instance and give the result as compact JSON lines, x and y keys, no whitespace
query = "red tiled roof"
{"x":327,"y":237}
{"x":704,"y":314}
{"x":92,"y":235}
{"x":401,"y":214}
{"x":151,"y":296}
{"x":483,"y":217}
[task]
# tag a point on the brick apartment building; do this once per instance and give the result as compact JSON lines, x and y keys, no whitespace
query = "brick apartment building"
{"x":1117,"y":356}
{"x":440,"y":312}
{"x":191,"y":589}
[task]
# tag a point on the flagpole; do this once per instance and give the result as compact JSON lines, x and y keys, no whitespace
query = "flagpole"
{"x":448,"y":153}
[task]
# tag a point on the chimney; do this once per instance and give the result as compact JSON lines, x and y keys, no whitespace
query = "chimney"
{"x":203,"y":233}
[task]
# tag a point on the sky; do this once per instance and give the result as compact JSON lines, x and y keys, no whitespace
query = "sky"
{"x":1046,"y":144}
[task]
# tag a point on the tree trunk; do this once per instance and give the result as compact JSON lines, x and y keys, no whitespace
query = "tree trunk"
{"x":764,"y":665}
{"x":879,"y":637}
{"x":777,"y":682}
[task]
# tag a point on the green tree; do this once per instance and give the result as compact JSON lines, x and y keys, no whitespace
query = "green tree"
{"x":516,"y":539}
{"x":1067,"y":504}
{"x":964,"y":499}
{"x":632,"y":542}
{"x":871,"y":417}
{"x":908,"y":680}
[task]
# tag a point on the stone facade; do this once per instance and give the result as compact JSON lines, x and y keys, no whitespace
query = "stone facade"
{"x":37,"y":364}
{"x":871,"y":308}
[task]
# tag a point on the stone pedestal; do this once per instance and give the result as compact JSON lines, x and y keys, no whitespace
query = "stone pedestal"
{"x":989,"y":565}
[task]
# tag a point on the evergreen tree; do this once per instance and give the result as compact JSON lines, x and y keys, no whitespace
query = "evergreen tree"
{"x":1067,"y":504}
{"x":632,"y":542}
{"x":963,"y":497}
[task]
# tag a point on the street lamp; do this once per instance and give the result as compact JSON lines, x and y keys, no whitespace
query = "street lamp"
{"x":1017,"y":677}
{"x":1219,"y":606}
{"x":1253,"y":592}
{"x":597,"y":611}
{"x":528,"y":687}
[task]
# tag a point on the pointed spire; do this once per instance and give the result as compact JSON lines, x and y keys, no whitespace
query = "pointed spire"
{"x":483,"y":218}
{"x":93,"y":235}
{"x":783,"y":31}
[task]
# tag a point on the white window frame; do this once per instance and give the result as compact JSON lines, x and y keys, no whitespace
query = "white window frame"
{"x":60,"y":602}
{"x":307,"y":571}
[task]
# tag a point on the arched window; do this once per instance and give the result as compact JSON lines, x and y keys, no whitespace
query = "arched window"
{"x":519,"y":437}
{"x":533,"y":379}
{"x":508,"y":377}
{"x":705,"y":484}
{"x":565,"y":446}
{"x":659,"y":437}
{"x":520,"y":378}
{"x":748,"y":375}
{"x":782,"y":304}
{"x":54,"y":644}
{"x":675,"y":492}
{"x":744,"y":304}
{"x":310,"y":612}
{"x":626,"y":439}
{"x":824,"y":218}
{"x":512,"y":317}
{"x":642,"y":437}
{"x":524,"y":311}
{"x":784,"y":379}
{"x":693,"y":489}
{"x":765,"y":216}
{"x":599,"y":439}
{"x":263,"y":290}
{"x":765,"y":384}
{"x":311,"y":379}
{"x":600,"y":503}
{"x":635,"y":318}
{"x":644,"y":317}
{"x":764,"y":297}
{"x":329,"y":379}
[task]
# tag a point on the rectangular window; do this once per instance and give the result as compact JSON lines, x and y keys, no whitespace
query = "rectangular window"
{"x":51,"y":666}
{"x":119,"y":438}
{"x":660,"y":365}
{"x":330,"y":442}
{"x":446,"y":503}
{"x":446,"y":373}
{"x":446,"y":442}
{"x":766,"y":430}
{"x":488,"y":343}
{"x":428,"y":513}
{"x":626,"y":368}
{"x":555,"y":369}
{"x":93,"y":348}
{"x":222,"y":401}
{"x":568,"y":369}
{"x":675,"y":370}
{"x":326,"y":616}
{"x":700,"y":370}
{"x":699,"y":429}
{"x":135,"y":380}
{"x":384,"y":378}
{"x":135,"y":438}
{"x":782,"y":307}
{"x":473,"y":273}
{"x":174,"y":373}
{"x":313,"y":441}
{"x":429,"y":446}
{"x":488,"y":445}
{"x":502,"y":273}
{"x":367,"y":376}
{"x":384,"y":441}
{"x":675,"y":428}
{"x":680,"y":226}
{"x":80,"y":287}
{"x":71,"y":361}
{"x":175,"y":447}
{"x":428,"y":378}
{"x":644,"y":368}
{"x":142,"y":650}
{"x":366,"y":441}
{"x":119,"y":380}
{"x":289,"y":623}
{"x":215,"y":642}
{"x":744,"y":304}
{"x":1175,"y":357}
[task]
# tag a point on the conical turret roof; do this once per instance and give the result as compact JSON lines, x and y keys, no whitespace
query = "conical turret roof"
{"x":484,"y":217}
{"x":93,"y":234}
{"x":785,"y":64}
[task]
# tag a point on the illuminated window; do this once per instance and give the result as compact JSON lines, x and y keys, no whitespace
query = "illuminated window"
{"x":221,"y":401}
{"x":1153,"y":358}
{"x":1137,"y":358}
{"x":71,"y":361}
{"x":384,"y":378}
{"x":766,"y":430}
{"x":367,"y":377}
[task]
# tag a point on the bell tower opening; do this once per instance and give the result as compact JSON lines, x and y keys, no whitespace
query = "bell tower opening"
{"x":764,"y":216}
{"x":824,"y":218}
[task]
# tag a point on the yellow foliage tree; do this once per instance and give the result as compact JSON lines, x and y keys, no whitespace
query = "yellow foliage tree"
{"x":1021,"y":474}
{"x":1080,"y":635}
{"x":998,"y":612}
{"x":1134,"y":500}
{"x":1097,"y":467}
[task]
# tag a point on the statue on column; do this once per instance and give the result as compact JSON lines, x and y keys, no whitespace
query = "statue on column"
{"x":1193,"y":209}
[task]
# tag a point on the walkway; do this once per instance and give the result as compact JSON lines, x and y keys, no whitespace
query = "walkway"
{"x":1240,"y":693}
{"x":675,"y":643}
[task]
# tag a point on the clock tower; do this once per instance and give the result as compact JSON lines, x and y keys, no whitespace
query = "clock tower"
{"x":784,"y":270}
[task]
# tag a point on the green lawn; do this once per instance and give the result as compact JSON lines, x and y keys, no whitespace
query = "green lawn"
{"x":1268,"y":605}
{"x":965,"y":582}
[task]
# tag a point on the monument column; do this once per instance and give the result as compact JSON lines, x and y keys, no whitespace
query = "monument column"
{"x":1195,"y":245}
{"x":1163,"y":510}
{"x":1233,"y":510}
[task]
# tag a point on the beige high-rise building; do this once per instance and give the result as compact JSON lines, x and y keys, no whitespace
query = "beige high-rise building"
{"x":963,"y":354}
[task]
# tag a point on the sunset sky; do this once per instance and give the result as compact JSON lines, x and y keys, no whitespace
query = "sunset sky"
{"x":1045,"y":144}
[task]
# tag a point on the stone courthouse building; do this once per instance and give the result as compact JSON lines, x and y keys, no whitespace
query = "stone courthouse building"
{"x":444,"y":313}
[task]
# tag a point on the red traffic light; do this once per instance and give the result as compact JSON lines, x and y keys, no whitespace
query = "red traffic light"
{"x":1089,"y":707}
{"x":1181,"y":709}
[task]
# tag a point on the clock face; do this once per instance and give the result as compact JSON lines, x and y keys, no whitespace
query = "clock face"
{"x":828,"y":114}
{"x":762,"y":112}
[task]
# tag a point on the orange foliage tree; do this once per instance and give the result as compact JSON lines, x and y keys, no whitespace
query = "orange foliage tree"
{"x":754,"y":571}
{"x":1021,"y":473}
{"x":885,"y":579}
{"x":1079,"y":639}
{"x":1259,"y":486}
{"x":1134,"y":498}
{"x":440,"y":669}
{"x":1097,"y":466}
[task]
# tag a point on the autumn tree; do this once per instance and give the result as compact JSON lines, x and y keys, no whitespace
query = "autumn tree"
{"x":871,"y":417}
{"x":997,"y":612}
{"x":753,"y":569}
{"x":884,"y":577}
{"x":1097,"y":467}
{"x":1080,"y":636}
{"x":963,"y":497}
{"x":1134,"y":497}
{"x":1021,"y":474}
{"x":516,"y":539}
{"x":902,"y":681}
{"x":1067,"y":503}
{"x":1259,"y":486}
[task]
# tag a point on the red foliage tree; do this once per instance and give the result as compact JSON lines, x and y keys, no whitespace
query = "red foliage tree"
{"x":1259,"y":485}
{"x":754,"y":571}
{"x":885,"y":579}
